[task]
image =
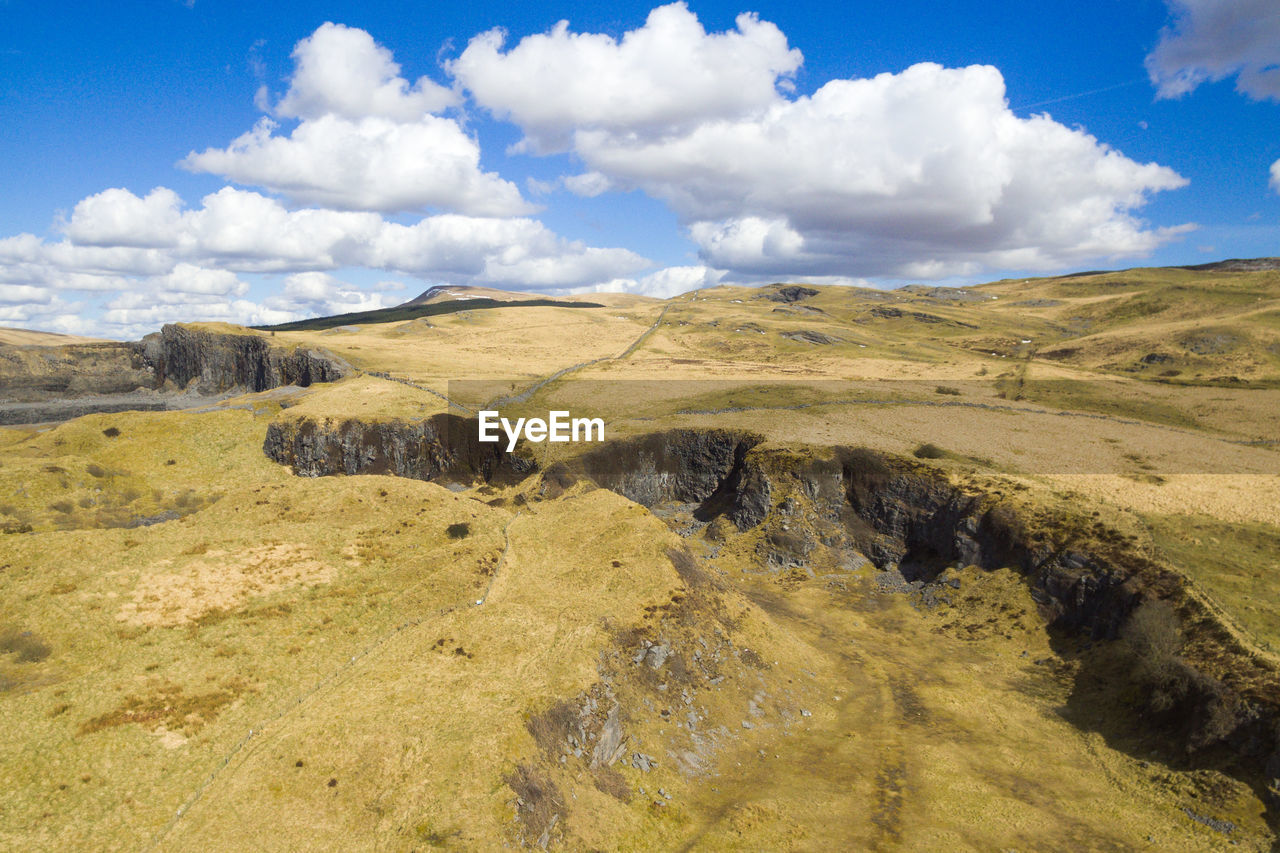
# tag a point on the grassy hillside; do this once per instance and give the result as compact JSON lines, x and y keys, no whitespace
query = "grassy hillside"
{"x":25,"y":337}
{"x":410,"y":311}
{"x":200,"y":650}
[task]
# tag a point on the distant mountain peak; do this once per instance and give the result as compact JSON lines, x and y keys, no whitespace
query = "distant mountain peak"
{"x":453,"y":292}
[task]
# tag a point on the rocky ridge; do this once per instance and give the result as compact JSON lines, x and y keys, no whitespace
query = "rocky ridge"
{"x":218,"y":361}
{"x":179,"y":367}
{"x":442,"y":447}
{"x":836,"y":505}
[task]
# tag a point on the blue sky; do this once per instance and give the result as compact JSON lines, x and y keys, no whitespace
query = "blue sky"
{"x":305,"y":168}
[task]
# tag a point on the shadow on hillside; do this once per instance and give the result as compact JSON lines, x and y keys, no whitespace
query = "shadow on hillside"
{"x":1106,"y":699}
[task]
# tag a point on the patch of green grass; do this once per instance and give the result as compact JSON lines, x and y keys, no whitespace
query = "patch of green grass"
{"x":26,"y":646}
{"x":1136,"y":307}
{"x":1107,"y":398}
{"x":1235,"y":564}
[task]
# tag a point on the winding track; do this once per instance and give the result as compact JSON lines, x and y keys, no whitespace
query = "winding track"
{"x":524,"y":395}
{"x":506,"y":548}
{"x":528,"y":392}
{"x":538,"y":385}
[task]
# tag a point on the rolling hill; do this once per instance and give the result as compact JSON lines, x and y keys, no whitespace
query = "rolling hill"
{"x":989,"y":568}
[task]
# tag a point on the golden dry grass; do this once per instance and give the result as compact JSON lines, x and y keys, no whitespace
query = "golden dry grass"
{"x":337,"y":619}
{"x":26,"y":338}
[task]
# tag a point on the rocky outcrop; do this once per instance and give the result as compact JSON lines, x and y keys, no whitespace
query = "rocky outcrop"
{"x":218,"y":361}
{"x":55,"y":383}
{"x":918,"y":521}
{"x":704,"y":467}
{"x":57,"y":410}
{"x":442,"y":447}
{"x":809,"y":336}
{"x":31,"y":374}
{"x":709,"y":468}
{"x":913,"y":522}
{"x":791,"y":293}
{"x":910,"y":519}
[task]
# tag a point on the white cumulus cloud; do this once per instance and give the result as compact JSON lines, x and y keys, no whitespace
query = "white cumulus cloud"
{"x":342,"y":71}
{"x":672,"y":281}
{"x":923,"y":170}
{"x":246,"y":231}
{"x":366,"y":139}
{"x":187,"y":278}
{"x":1212,"y":40}
{"x":195,"y":274}
{"x":320,"y":294}
{"x":131,"y":315}
{"x":588,"y":184}
{"x":366,"y":164}
{"x":519,"y":253}
{"x":670,"y":72}
{"x":19,"y":294}
{"x":117,"y":217}
{"x":46,"y":310}
{"x":26,"y":259}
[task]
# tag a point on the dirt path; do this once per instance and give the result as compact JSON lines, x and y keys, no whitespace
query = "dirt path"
{"x":506,"y":549}
{"x":452,"y":403}
{"x":523,"y":396}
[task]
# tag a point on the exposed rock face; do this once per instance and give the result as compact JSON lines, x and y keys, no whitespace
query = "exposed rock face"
{"x":220,"y":362}
{"x":901,"y":514}
{"x":791,"y":293}
{"x":443,"y":447}
{"x":55,"y":410}
{"x":52,"y":383}
{"x":706,"y":467}
{"x":945,"y":294}
{"x":895,"y":512}
{"x":39,"y":373}
{"x":916,"y":519}
{"x":809,"y":336}
{"x":907,"y":517}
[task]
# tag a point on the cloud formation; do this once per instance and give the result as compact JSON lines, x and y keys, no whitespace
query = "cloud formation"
{"x":320,"y":294}
{"x":1211,"y":40}
{"x":192,"y":258}
{"x":341,"y":71}
{"x":367,"y":164}
{"x":922,"y":172}
{"x":366,"y":139}
{"x":670,"y":73}
{"x":246,"y":232}
{"x":33,"y":307}
{"x":673,"y":281}
{"x":117,"y":217}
